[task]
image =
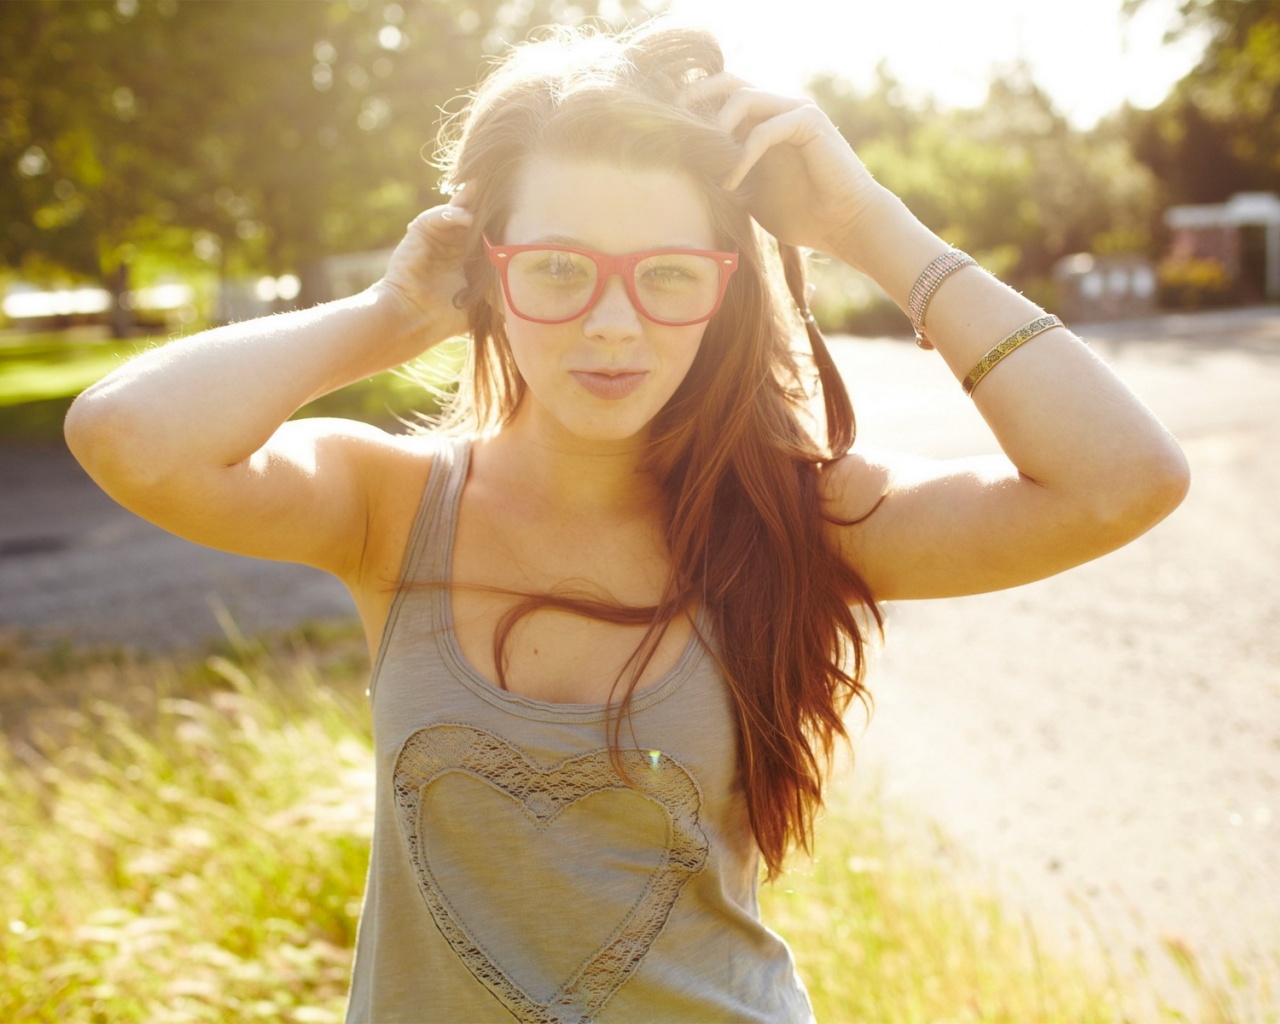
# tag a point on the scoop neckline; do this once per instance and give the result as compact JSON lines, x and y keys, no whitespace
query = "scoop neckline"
{"x":530,"y":707}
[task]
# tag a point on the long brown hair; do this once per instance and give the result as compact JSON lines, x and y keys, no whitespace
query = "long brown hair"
{"x":738,"y":468}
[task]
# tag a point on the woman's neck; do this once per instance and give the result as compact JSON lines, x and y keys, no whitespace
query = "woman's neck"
{"x":559,"y":475}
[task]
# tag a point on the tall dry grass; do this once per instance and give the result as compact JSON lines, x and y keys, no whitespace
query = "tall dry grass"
{"x":186,"y":840}
{"x":183,"y":842}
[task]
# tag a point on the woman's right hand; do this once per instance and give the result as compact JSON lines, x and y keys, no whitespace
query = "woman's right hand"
{"x":425,"y":272}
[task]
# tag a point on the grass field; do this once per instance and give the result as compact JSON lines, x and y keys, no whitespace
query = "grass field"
{"x":40,"y":374}
{"x":145,"y":878}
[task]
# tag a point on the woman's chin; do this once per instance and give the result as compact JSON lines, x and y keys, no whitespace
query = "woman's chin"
{"x":620,"y":422}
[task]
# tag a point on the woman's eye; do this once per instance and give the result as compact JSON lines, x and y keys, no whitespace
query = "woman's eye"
{"x":562,"y":266}
{"x":672,"y":273}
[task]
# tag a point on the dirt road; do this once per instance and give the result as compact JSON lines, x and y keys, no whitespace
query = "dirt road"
{"x":1107,"y":739}
{"x":75,"y":565}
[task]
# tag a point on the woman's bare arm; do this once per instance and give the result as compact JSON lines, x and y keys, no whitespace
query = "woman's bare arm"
{"x":1086,"y":467}
{"x":192,"y":435}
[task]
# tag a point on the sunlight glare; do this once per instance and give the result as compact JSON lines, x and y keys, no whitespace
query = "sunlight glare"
{"x":1082,"y":53}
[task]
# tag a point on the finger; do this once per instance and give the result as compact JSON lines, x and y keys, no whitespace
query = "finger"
{"x":455,"y":214}
{"x":795,"y":127}
{"x":441,"y":221}
{"x":436,"y":238}
{"x":712,"y":88}
{"x":756,"y":105}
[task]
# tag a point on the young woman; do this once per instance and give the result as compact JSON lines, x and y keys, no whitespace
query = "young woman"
{"x":617,"y":615}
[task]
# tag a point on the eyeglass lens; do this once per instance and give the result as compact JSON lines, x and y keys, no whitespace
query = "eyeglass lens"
{"x":552,"y":284}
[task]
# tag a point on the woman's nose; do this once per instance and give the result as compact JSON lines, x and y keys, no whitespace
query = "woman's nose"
{"x":613,"y":311}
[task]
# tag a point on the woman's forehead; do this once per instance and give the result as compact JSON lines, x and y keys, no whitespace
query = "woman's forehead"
{"x":606,"y":206}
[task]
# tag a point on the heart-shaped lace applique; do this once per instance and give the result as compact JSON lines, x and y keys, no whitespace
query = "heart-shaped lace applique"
{"x":542,"y":795}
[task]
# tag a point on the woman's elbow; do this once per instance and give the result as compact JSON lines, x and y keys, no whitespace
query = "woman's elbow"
{"x":1151,"y":488}
{"x":82,"y":428}
{"x":1167,"y":479}
{"x":108,"y":440}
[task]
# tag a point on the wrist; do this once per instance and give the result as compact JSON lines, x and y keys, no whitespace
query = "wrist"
{"x":889,"y":244}
{"x":405,"y":327}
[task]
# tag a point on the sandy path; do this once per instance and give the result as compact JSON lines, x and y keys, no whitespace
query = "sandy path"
{"x":1108,"y":738}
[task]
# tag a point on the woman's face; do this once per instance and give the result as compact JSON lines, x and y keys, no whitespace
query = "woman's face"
{"x":604,"y":376}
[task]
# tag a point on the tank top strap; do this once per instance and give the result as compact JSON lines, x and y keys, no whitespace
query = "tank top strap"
{"x":430,"y":546}
{"x":429,"y":550}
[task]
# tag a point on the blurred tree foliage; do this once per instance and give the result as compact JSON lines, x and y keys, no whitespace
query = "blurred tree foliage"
{"x":254,"y":134}
{"x":261,"y":135}
{"x":1011,"y":181}
{"x":1218,"y":131}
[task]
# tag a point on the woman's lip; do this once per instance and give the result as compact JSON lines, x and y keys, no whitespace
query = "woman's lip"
{"x":609,"y":384}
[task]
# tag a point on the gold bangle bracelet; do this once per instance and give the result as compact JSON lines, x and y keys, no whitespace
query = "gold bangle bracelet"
{"x":1016,"y":339}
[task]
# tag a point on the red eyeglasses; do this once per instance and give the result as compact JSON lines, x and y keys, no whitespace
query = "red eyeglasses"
{"x":553,"y":284}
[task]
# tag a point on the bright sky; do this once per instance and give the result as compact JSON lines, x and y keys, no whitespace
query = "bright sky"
{"x":1081,"y":51}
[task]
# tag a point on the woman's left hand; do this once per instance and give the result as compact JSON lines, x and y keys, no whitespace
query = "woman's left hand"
{"x":809,"y":187}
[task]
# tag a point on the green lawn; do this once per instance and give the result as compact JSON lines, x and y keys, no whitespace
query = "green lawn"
{"x":41,"y":374}
{"x":42,"y":371}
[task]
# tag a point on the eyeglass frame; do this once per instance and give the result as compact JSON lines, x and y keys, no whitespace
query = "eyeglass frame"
{"x":607,"y":265}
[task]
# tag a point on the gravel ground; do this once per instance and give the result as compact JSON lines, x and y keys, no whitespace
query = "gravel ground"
{"x":1105,"y":743}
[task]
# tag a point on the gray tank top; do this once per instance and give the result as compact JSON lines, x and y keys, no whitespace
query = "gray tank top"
{"x":515,"y":875}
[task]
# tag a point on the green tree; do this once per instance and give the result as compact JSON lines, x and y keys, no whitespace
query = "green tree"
{"x":1011,"y":180}
{"x":1218,"y":132}
{"x":265,"y":133}
{"x":82,"y":184}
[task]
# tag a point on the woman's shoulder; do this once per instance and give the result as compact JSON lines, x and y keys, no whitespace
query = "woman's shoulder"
{"x":853,"y":484}
{"x":382,"y":466}
{"x":395,"y":470}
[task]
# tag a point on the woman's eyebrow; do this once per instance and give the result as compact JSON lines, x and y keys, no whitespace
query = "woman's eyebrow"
{"x":578,"y":243}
